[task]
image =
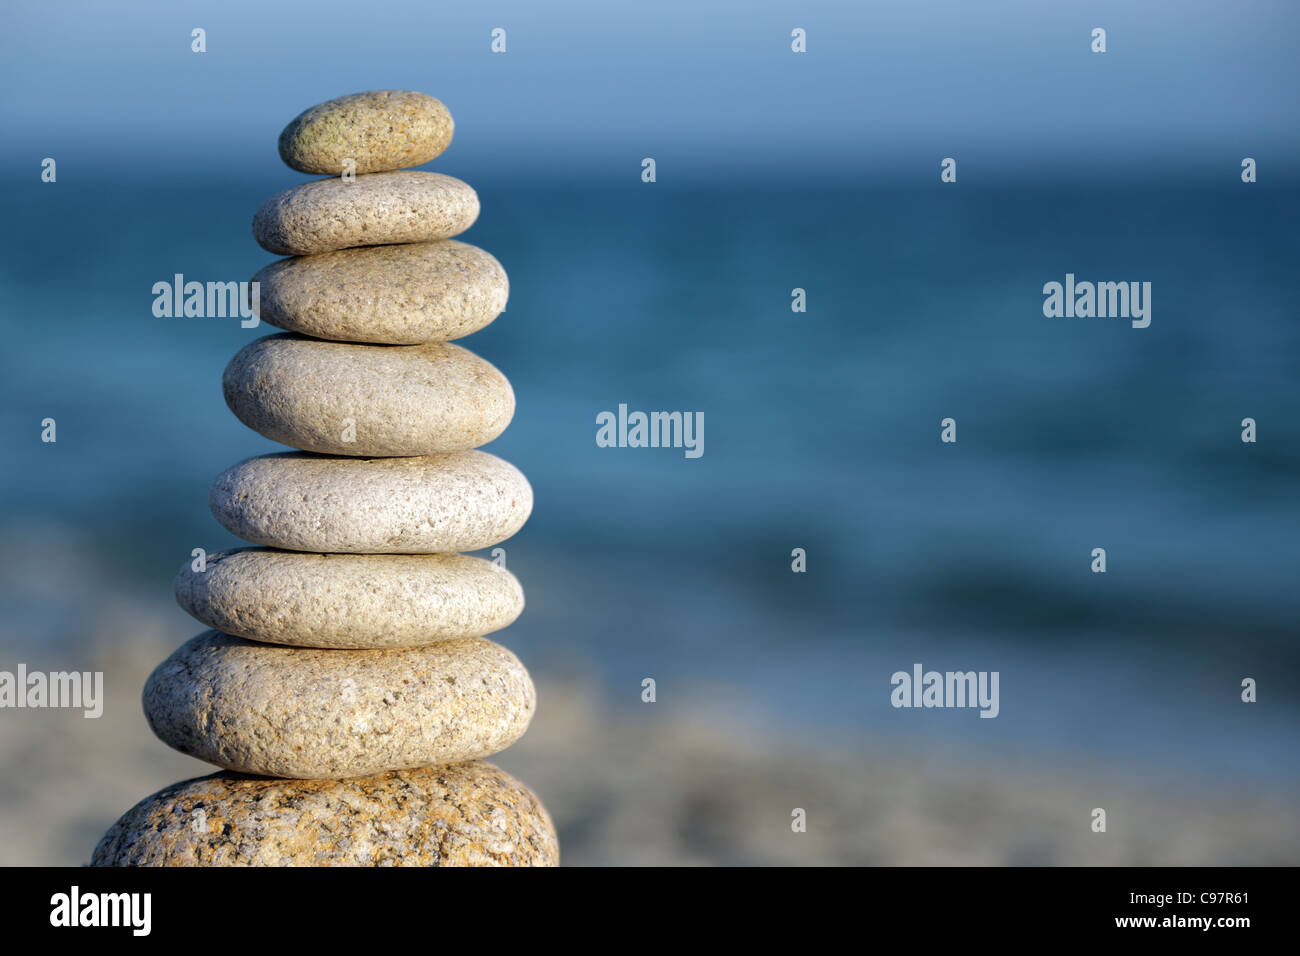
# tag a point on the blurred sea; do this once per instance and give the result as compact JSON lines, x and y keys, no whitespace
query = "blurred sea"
{"x":821,"y":432}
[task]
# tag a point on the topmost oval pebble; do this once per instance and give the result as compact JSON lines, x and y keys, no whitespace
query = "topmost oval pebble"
{"x":380,"y":131}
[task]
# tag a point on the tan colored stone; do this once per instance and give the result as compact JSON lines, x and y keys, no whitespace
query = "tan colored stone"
{"x":467,"y":814}
{"x":326,"y":714}
{"x":397,"y":295}
{"x":372,"y":210}
{"x":349,"y":600}
{"x":339,"y":398}
{"x":461,"y":501}
{"x":378,"y":130}
{"x":407,"y":294}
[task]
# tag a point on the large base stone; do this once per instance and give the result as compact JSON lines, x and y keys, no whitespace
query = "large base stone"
{"x":469,"y":814}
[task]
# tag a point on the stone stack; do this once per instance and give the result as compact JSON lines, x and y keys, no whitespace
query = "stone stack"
{"x":347,"y":686}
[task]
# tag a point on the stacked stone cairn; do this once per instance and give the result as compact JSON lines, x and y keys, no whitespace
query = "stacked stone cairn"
{"x":347,"y":687}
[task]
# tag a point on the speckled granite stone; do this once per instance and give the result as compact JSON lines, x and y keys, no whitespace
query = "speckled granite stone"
{"x":326,"y":714}
{"x":398,"y":295}
{"x":349,"y":600}
{"x":467,"y":814}
{"x":367,"y":400}
{"x":378,"y":130}
{"x":461,"y":501}
{"x":373,"y":210}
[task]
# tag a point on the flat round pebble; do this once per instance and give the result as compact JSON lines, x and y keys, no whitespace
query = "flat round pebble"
{"x":372,"y":210}
{"x":339,"y":398}
{"x":327,"y":714}
{"x":349,"y":600}
{"x":461,"y":501}
{"x":467,"y":814}
{"x":398,"y":295}
{"x":379,"y":130}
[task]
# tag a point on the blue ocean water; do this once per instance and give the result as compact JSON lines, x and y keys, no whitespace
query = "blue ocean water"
{"x":821,"y":432}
